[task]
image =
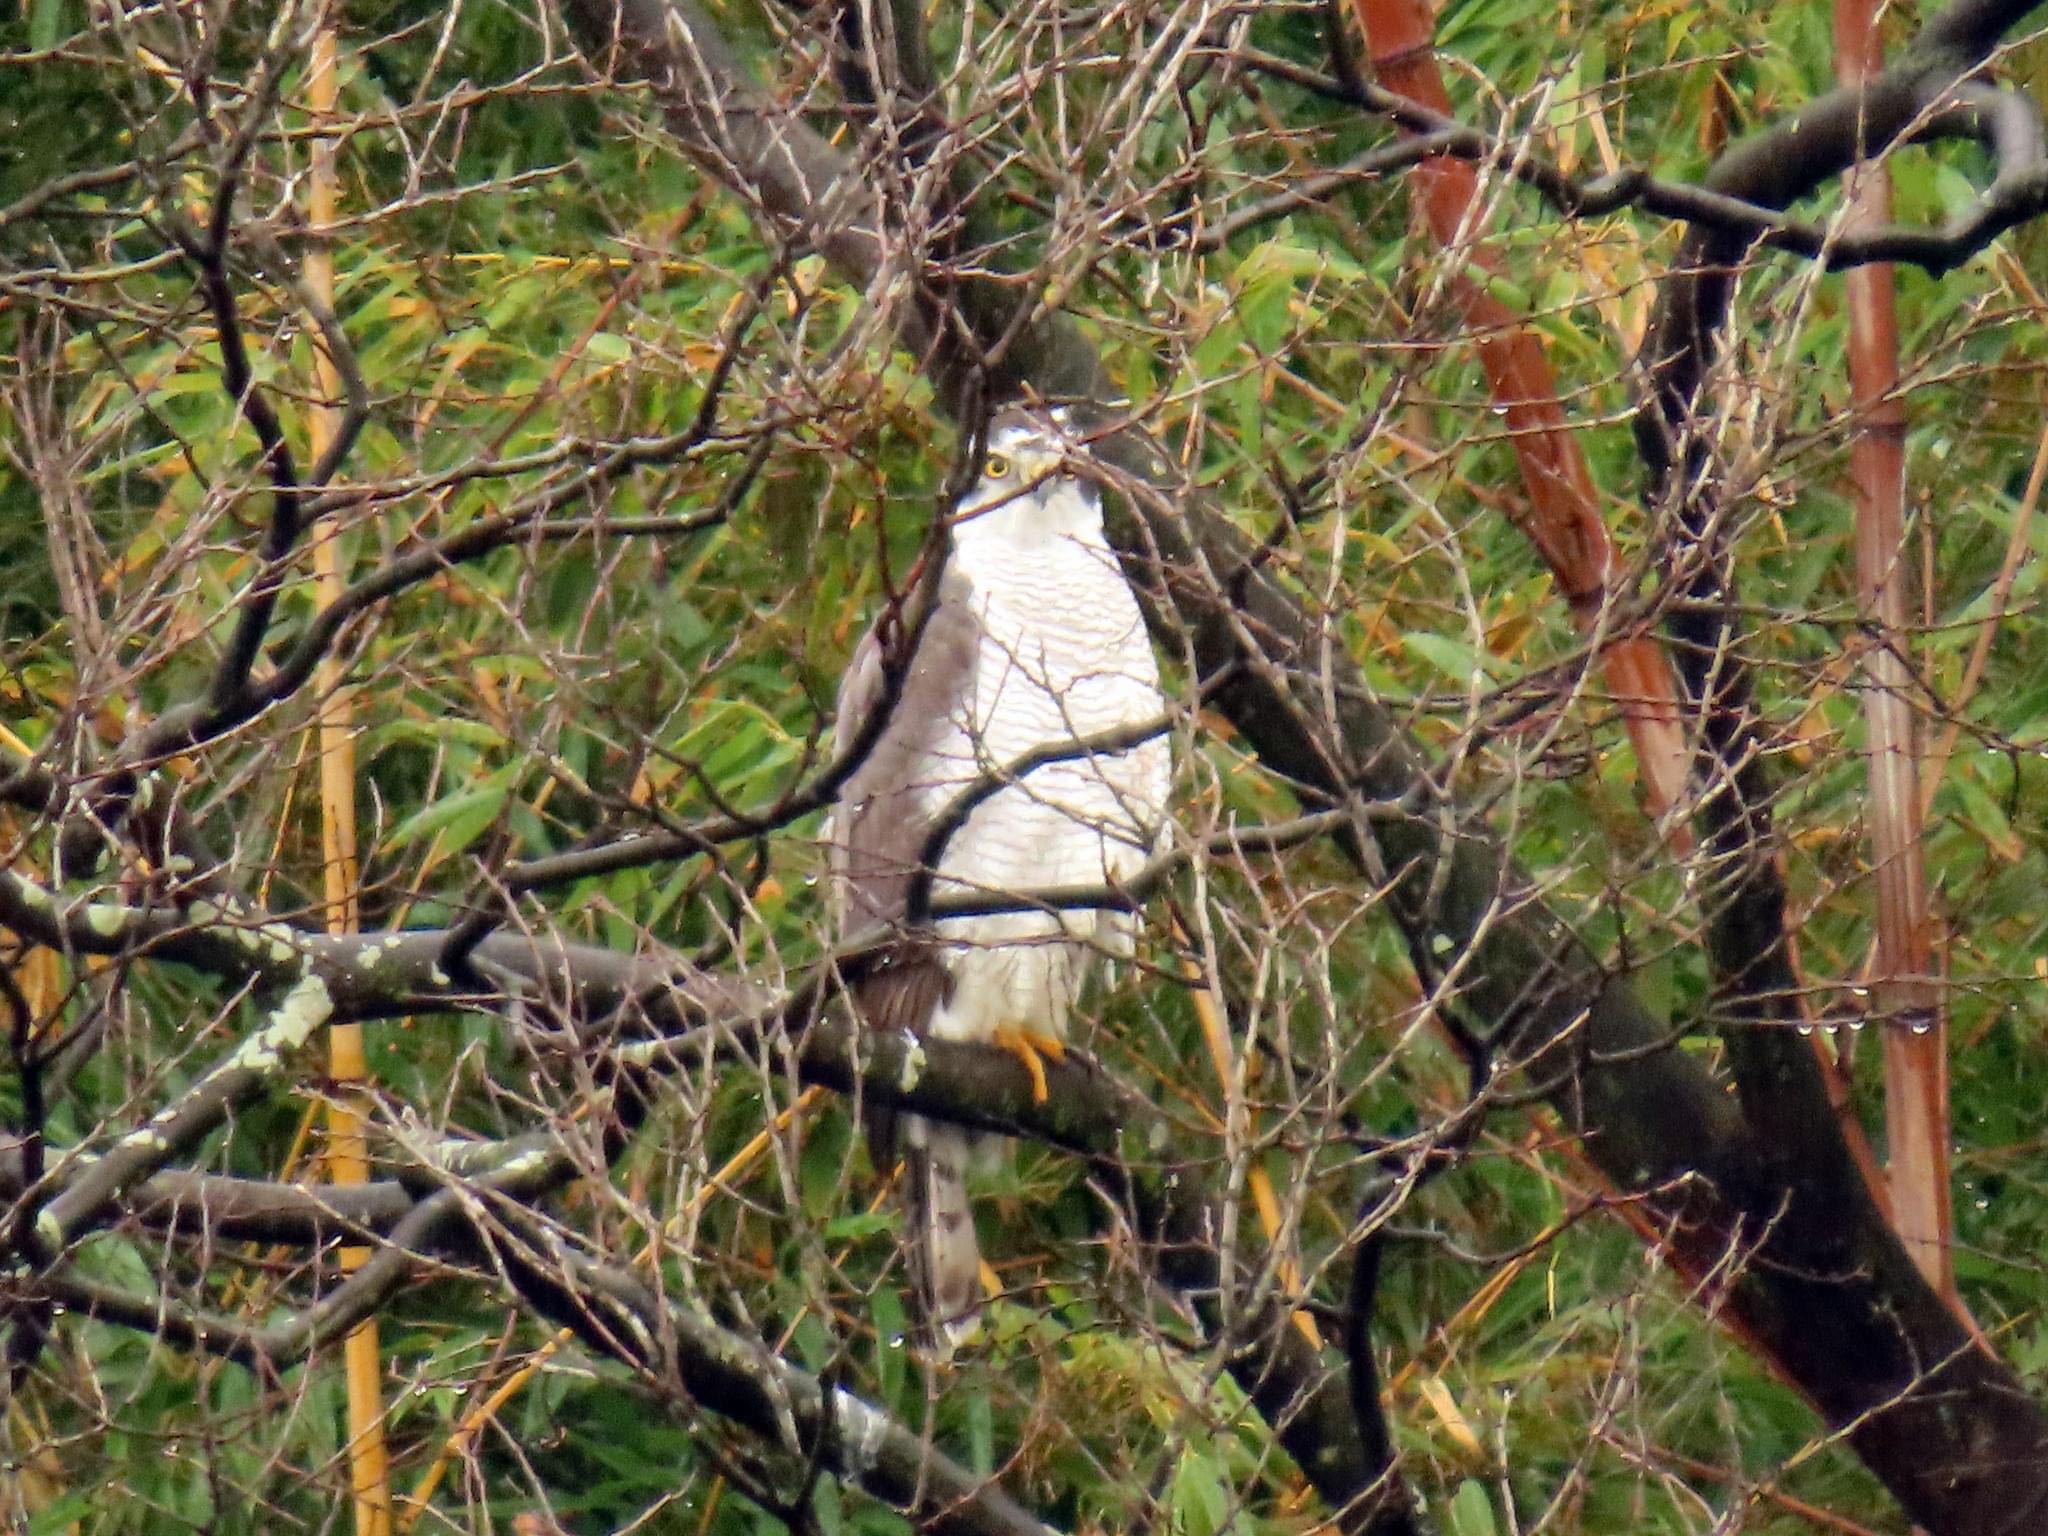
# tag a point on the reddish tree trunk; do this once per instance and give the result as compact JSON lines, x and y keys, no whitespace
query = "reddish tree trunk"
{"x":1906,"y":997}
{"x":1564,"y":521}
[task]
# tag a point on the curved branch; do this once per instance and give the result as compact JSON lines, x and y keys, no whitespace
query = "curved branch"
{"x":2018,"y":193}
{"x":593,"y":994}
{"x":1949,"y":1429}
{"x":613,"y":1311}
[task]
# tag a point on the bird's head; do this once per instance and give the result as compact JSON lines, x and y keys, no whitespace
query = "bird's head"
{"x":1028,"y":488}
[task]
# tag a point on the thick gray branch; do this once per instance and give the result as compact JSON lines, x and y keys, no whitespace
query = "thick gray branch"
{"x":1830,"y":1295}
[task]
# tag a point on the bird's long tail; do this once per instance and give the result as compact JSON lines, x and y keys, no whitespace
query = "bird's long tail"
{"x":945,"y":1256}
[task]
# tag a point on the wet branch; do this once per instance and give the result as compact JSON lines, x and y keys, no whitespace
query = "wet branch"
{"x":1860,"y":1332}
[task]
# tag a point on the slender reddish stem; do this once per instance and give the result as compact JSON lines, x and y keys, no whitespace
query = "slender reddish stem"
{"x":1565,"y":525}
{"x":1564,"y":521}
{"x":1906,"y":996}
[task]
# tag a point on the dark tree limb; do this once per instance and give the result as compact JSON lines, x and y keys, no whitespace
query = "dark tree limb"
{"x":635,"y":1019}
{"x":672,"y":1346}
{"x":1949,"y":1429}
{"x":1989,"y":1474}
{"x":2018,"y":192}
{"x":1929,"y":85}
{"x":208,"y":255}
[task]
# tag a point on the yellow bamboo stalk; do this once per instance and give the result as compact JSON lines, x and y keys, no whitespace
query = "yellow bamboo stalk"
{"x":347,"y":1150}
{"x":1264,"y":1200}
{"x":471,"y":1425}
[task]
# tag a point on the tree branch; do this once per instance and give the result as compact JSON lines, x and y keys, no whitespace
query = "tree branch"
{"x":638,"y":1019}
{"x":2018,"y":193}
{"x":1860,"y":1333}
{"x":665,"y":1341}
{"x":1828,"y":1221}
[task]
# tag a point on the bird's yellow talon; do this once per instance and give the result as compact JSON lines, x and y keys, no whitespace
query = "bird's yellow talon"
{"x":1033,"y":1049}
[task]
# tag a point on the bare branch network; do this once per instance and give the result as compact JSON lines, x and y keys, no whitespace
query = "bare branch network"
{"x":591,"y":647}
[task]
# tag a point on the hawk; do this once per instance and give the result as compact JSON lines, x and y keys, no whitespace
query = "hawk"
{"x":1034,"y":649}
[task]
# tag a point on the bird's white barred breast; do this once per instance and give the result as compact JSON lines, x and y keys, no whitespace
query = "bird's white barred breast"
{"x":1064,"y":657}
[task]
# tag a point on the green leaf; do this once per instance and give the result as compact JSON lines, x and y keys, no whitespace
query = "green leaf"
{"x":1985,"y":815}
{"x":1514,"y":295}
{"x":61,"y":1515}
{"x":826,"y":1505}
{"x":1200,"y":1500}
{"x":47,"y":23}
{"x":460,"y":817}
{"x":981,"y":1434}
{"x":1471,"y":1512}
{"x":1453,"y":658}
{"x":892,"y":1332}
{"x":858,"y":1224}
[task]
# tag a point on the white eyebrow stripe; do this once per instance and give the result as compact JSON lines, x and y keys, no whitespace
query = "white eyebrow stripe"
{"x":1014,"y":437}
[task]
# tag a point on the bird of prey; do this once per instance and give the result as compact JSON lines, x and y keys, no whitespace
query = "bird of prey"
{"x":1034,"y":650}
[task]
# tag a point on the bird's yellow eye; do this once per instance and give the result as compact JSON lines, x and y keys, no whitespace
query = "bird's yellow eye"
{"x":998,"y":466}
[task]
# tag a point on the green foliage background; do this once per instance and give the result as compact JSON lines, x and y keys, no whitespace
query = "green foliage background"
{"x":536,"y":269}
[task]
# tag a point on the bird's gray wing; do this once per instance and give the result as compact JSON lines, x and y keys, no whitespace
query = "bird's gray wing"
{"x":886,"y":809}
{"x":888,"y":805}
{"x":874,"y":837}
